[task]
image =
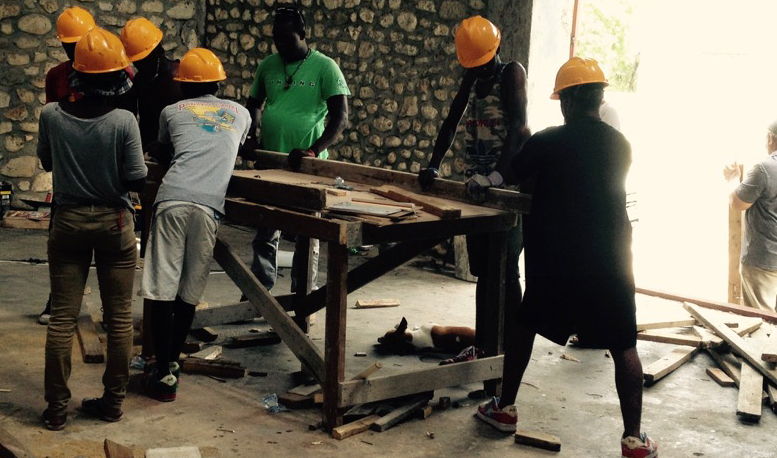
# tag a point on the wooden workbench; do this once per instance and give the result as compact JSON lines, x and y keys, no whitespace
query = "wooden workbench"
{"x":297,"y":203}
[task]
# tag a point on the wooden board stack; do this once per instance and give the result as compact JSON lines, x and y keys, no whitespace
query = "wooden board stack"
{"x":741,"y":342}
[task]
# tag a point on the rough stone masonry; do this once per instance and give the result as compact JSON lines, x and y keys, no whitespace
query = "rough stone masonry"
{"x":398,"y":57}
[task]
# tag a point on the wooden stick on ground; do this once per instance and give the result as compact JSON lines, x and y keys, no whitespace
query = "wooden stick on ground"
{"x":114,"y":450}
{"x":750,"y":395}
{"x":11,"y":447}
{"x":91,"y":347}
{"x":667,"y":364}
{"x":539,"y":440}
{"x":397,"y":415}
{"x":356,"y":427}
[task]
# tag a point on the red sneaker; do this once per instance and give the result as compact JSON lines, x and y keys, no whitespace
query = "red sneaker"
{"x":502,"y":419}
{"x":638,"y":447}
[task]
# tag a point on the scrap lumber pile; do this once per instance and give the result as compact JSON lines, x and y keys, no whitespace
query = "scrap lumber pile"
{"x":743,"y":347}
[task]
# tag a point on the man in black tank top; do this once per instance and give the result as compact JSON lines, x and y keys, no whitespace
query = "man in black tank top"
{"x":493,"y":95}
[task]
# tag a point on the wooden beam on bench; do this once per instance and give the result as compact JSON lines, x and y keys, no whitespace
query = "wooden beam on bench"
{"x":429,"y":204}
{"x":297,"y":341}
{"x":355,"y":392}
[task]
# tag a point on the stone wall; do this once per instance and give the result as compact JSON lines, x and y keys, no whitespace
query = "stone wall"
{"x":29,"y":48}
{"x":398,"y":57}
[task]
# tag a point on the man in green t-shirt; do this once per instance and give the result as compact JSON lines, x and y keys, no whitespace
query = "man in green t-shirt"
{"x":299,"y":88}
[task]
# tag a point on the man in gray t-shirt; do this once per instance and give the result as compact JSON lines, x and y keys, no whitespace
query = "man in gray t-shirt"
{"x":757,"y":196}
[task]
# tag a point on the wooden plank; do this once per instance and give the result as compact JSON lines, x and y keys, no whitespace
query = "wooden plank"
{"x":397,"y":415}
{"x":205,"y":334}
{"x":733,"y":339}
{"x":188,"y":451}
{"x":391,"y":386}
{"x":254,"y":340}
{"x":734,"y":250}
{"x":212,"y":367}
{"x":744,"y":329}
{"x":765,"y":315}
{"x":538,"y":440}
{"x":771,"y":391}
{"x":239,"y":209}
{"x":334,"y":333}
{"x":750,"y":394}
{"x":89,"y":341}
{"x":249,"y":185}
{"x":114,"y":450}
{"x":295,"y":401}
{"x":209,"y":353}
{"x":708,"y":338}
{"x":356,"y":427}
{"x":429,"y":205}
{"x":662,"y":336}
{"x":11,"y":447}
{"x":360,"y":411}
{"x":720,"y":377}
{"x":376,"y":303}
{"x":223,"y":314}
{"x":667,"y":364}
{"x":305,"y":390}
{"x":299,"y":343}
{"x":192,"y":347}
{"x":728,"y":364}
{"x":665,"y":324}
{"x":448,"y":189}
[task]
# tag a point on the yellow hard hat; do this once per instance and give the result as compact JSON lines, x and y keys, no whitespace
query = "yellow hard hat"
{"x":477,"y":40}
{"x":100,"y":51}
{"x":200,"y":65}
{"x":73,"y":24}
{"x":577,"y":71}
{"x":140,"y":36}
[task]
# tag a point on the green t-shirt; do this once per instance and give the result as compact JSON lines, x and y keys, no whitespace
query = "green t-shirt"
{"x":293,"y":117}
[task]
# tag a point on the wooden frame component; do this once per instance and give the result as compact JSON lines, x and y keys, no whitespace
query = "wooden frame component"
{"x":765,"y":315}
{"x":336,"y":306}
{"x":447,"y":189}
{"x":355,"y":392}
{"x":299,"y":343}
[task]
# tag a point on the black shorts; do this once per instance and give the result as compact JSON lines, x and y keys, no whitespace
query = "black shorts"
{"x":600,"y":310}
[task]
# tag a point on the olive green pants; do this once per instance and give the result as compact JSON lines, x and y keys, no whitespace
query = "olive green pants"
{"x":77,"y":233}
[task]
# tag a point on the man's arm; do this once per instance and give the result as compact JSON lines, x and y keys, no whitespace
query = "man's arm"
{"x":514,"y":101}
{"x":254,"y":107}
{"x":448,"y":129}
{"x":337,"y":107}
{"x":737,"y":203}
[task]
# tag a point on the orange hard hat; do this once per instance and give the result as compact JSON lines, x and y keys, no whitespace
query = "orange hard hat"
{"x":73,"y":24}
{"x":100,"y":51}
{"x":140,"y":36}
{"x":577,"y":71}
{"x":477,"y":40}
{"x":200,"y":65}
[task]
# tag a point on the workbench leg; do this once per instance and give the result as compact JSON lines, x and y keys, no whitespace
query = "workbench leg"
{"x":489,"y":318}
{"x":304,"y":253}
{"x":334,"y":349}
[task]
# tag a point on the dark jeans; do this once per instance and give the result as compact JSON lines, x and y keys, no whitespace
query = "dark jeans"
{"x":76,"y":233}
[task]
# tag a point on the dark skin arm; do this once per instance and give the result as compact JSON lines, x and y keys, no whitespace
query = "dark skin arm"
{"x":514,"y":102}
{"x":337,"y":107}
{"x":448,"y":130}
{"x":254,"y":107}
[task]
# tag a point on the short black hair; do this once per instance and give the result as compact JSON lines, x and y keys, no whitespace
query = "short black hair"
{"x":293,"y":15}
{"x":192,"y":90}
{"x":587,"y":96}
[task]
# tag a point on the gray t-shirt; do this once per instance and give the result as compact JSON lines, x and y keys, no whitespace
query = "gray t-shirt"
{"x":759,"y":245}
{"x":89,"y":158}
{"x":206,"y":133}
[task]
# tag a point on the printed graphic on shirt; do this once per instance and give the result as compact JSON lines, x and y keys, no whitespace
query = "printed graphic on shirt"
{"x":211,"y":117}
{"x":485,"y":134}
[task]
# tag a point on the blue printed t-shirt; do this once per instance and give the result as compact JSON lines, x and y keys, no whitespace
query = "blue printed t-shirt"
{"x":293,"y":117}
{"x":206,"y":133}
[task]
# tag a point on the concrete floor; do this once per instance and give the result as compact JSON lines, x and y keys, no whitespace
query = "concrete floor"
{"x":686,"y":412}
